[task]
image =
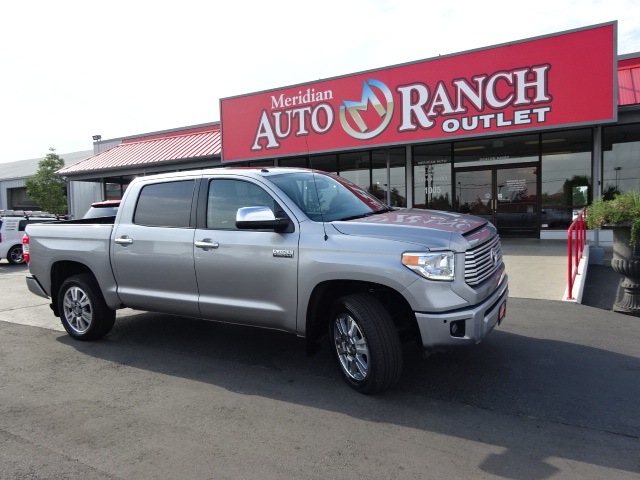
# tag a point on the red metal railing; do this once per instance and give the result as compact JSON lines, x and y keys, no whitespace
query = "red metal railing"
{"x":576,"y":240}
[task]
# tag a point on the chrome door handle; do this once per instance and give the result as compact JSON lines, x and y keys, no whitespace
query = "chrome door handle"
{"x":124,"y":240}
{"x":206,"y":244}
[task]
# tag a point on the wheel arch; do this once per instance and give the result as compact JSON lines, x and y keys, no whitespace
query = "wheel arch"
{"x":60,"y":271}
{"x":325,"y":295}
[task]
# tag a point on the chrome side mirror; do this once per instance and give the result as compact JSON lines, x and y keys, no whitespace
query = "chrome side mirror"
{"x":259,"y":218}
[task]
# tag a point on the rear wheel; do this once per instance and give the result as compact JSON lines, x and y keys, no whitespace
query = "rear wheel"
{"x":365,"y":343}
{"x":83,"y":311}
{"x":14,"y":255}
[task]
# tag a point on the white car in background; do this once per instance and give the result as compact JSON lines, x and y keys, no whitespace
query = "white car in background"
{"x":11,"y":232}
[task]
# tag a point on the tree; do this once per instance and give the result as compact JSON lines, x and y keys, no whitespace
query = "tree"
{"x":47,"y":188}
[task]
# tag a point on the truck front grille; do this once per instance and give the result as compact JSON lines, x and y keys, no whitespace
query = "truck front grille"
{"x":482,"y":261}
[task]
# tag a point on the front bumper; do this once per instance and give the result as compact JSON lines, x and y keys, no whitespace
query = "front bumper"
{"x":476,"y":322}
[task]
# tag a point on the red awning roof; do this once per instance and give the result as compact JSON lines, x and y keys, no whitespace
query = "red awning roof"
{"x":189,"y":144}
{"x":629,"y":81}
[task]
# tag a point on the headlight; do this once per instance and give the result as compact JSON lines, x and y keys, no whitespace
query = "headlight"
{"x":431,"y":265}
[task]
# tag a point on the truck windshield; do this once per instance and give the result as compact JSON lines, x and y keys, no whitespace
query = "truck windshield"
{"x":326,"y":197}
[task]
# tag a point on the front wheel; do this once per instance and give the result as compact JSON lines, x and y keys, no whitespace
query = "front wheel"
{"x":83,"y":311}
{"x":366,"y":343}
{"x":15,"y":256}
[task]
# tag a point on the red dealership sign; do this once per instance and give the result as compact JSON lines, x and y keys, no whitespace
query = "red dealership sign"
{"x":565,"y":79}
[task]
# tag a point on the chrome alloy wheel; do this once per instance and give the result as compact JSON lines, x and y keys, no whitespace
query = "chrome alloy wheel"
{"x":77,"y":309}
{"x":351,"y":346}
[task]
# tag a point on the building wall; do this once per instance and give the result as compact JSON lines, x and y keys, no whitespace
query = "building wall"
{"x":104,"y":145}
{"x":5,"y":185}
{"x":81,"y":196}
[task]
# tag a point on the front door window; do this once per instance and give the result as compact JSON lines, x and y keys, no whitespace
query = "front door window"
{"x":516,"y":200}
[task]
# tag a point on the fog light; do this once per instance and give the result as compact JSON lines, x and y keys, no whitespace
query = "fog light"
{"x":457,"y":329}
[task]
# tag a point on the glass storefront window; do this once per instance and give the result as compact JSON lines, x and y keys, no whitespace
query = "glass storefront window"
{"x":294,"y":162}
{"x":366,"y":169}
{"x":432,"y":177}
{"x":566,"y":176}
{"x":114,"y":187}
{"x":621,"y":159}
{"x":261,"y":163}
{"x":326,"y":163}
{"x":398,"y":176}
{"x":379,"y":183}
{"x":496,"y":151}
{"x":356,"y":167}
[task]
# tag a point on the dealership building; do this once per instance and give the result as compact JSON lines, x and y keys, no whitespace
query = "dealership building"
{"x":524,"y":134}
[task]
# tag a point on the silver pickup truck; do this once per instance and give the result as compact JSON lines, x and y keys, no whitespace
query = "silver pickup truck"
{"x":297,"y":250}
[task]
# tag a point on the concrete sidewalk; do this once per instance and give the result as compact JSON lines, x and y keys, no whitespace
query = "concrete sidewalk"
{"x":538,"y":269}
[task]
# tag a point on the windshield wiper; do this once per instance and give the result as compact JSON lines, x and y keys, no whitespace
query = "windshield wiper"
{"x":368,"y":214}
{"x":354,"y":217}
{"x":383,"y":210}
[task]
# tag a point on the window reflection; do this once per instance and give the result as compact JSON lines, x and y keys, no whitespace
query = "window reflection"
{"x":398,"y":177}
{"x":621,"y":159}
{"x":355,"y":167}
{"x":294,"y":162}
{"x":496,"y":151}
{"x":367,"y":170}
{"x":261,"y":163}
{"x":326,"y":163}
{"x":379,"y":183}
{"x":432,"y":177}
{"x":566,"y":176}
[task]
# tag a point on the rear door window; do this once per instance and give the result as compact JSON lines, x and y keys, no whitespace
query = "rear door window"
{"x":165,"y":205}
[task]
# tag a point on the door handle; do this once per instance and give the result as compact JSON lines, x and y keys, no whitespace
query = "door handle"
{"x":206,"y":244}
{"x":124,"y":240}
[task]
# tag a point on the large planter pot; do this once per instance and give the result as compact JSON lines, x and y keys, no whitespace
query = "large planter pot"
{"x":626,"y":262}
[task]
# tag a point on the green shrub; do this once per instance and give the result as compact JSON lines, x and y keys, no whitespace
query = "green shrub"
{"x":624,"y":208}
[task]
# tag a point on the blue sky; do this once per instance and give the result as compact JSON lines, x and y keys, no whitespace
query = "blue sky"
{"x":72,"y":69}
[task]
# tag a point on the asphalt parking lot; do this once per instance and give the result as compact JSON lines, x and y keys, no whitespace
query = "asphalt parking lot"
{"x":552,"y":393}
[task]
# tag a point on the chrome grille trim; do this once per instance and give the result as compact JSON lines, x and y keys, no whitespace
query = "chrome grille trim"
{"x":480,"y":264}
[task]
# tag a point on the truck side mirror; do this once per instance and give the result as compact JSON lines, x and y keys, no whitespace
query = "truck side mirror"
{"x":260,"y":218}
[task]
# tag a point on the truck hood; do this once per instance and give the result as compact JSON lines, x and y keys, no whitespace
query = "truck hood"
{"x":427,"y":227}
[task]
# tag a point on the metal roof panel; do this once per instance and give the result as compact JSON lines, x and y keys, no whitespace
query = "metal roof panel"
{"x":176,"y":147}
{"x":629,"y":81}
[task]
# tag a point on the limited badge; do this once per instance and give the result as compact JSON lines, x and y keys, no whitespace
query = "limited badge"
{"x":283,"y":253}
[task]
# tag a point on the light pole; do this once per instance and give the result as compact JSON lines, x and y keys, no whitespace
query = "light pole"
{"x":617,"y":170}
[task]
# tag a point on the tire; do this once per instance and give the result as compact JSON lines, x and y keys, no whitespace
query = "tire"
{"x":83,"y":312}
{"x":365,"y":343}
{"x":14,"y":255}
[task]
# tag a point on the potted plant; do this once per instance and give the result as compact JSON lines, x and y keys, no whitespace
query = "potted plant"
{"x":622,"y":214}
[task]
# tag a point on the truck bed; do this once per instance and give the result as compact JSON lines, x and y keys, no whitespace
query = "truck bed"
{"x":67,"y":243}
